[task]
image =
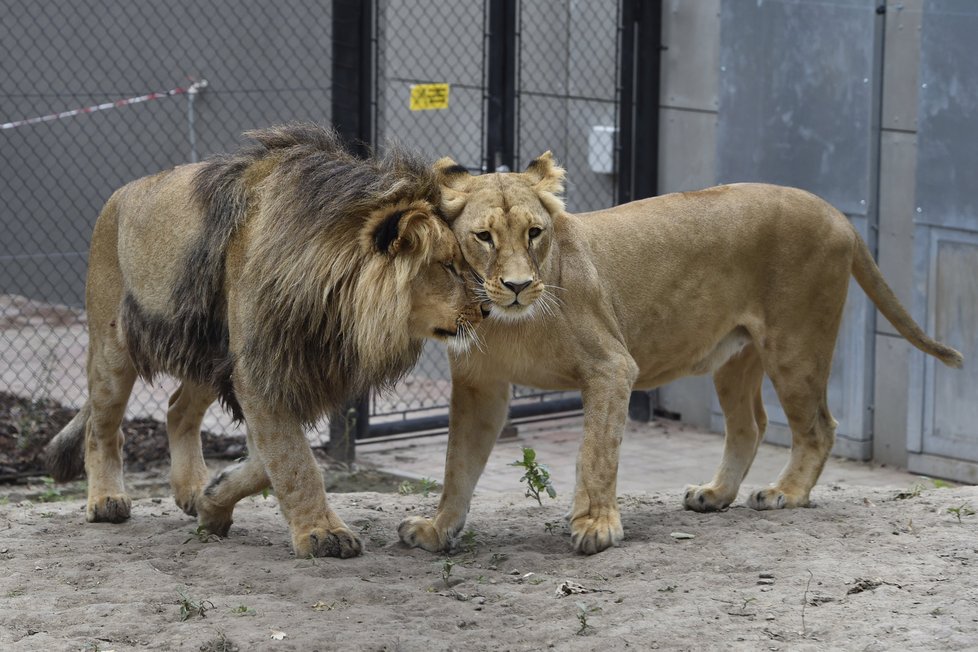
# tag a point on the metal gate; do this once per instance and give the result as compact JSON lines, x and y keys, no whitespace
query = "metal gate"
{"x":508,"y":80}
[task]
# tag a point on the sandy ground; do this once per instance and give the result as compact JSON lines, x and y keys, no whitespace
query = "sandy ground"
{"x":863,"y":570}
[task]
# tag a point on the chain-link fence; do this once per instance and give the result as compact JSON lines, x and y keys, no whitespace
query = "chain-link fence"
{"x":96,"y":94}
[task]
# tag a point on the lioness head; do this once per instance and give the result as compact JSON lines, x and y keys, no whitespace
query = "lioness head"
{"x":419,"y":252}
{"x":504,"y":224}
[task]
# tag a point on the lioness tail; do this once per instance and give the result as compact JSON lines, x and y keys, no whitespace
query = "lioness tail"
{"x":871,"y":280}
{"x":65,"y":454}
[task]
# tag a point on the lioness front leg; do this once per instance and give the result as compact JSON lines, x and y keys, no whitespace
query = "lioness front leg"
{"x":478,"y":412}
{"x":595,"y":521}
{"x":316,"y":529}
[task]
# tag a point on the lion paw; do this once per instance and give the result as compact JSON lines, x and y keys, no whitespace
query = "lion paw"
{"x":109,"y":509}
{"x":774,"y":498}
{"x":212,"y":517}
{"x":591,"y":535}
{"x":706,"y":498}
{"x":322,"y":542}
{"x":420,"y":532}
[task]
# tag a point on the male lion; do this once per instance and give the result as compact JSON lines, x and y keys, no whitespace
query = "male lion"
{"x":739,"y":281}
{"x":281,"y":280}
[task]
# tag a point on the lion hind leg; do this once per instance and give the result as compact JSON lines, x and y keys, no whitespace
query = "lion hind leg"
{"x":111,"y":375}
{"x":738,"y":386}
{"x":215,"y":504}
{"x":188,"y":472}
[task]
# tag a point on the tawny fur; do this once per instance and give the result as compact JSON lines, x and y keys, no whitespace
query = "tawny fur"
{"x":282,"y":279}
{"x":739,"y":281}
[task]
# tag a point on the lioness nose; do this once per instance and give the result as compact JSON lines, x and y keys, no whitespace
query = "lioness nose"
{"x":516,"y":287}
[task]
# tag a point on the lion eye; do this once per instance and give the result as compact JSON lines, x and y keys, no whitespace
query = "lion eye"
{"x":535,"y":231}
{"x":485,"y":236}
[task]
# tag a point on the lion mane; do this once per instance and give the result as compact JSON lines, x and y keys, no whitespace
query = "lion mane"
{"x":281,"y":280}
{"x":328,"y":321}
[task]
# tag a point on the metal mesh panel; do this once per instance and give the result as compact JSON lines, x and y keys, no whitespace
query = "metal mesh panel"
{"x":263,"y":63}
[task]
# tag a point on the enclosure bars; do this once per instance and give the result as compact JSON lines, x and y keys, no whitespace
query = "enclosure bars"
{"x":352,"y":110}
{"x":637,"y":155}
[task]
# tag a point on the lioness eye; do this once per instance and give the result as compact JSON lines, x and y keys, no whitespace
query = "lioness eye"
{"x":535,"y":231}
{"x":485,"y":236}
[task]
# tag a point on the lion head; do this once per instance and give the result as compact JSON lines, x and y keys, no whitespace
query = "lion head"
{"x":504,"y":225}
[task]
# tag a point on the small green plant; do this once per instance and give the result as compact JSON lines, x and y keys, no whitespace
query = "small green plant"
{"x":424,"y":486}
{"x":468,"y":541}
{"x":446,"y":571}
{"x":964,"y":509}
{"x":551,"y":527}
{"x":941,"y":484}
{"x":190,"y":608}
{"x":536,"y":476}
{"x":243,"y":610}
{"x":497,"y":558}
{"x":265,"y":493}
{"x":203,"y":535}
{"x":582,"y":613}
{"x":51,"y":493}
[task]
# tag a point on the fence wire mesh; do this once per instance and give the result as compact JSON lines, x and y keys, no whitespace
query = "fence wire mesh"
{"x":253,"y":64}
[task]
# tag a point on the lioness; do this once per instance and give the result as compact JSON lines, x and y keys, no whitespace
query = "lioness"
{"x":281,"y":280}
{"x":738,"y":281}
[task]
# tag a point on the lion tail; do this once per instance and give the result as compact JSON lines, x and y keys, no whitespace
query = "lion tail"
{"x":871,"y":280}
{"x":65,"y":453}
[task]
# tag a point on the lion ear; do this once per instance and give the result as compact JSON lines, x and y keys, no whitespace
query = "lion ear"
{"x":545,"y":175}
{"x":452,"y":178}
{"x":401,"y":231}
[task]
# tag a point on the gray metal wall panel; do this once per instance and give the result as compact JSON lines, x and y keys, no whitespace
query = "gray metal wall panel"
{"x":796,"y":96}
{"x":948,"y":153}
{"x":690,"y":60}
{"x":902,"y":49}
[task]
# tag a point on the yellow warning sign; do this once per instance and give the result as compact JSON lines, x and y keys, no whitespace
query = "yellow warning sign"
{"x":425,"y":97}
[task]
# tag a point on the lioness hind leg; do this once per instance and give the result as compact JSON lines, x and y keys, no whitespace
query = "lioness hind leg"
{"x":802,"y":390}
{"x":110,"y":379}
{"x":188,"y":472}
{"x":738,"y":385}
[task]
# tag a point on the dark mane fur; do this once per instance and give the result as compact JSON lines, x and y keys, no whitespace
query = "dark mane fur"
{"x":318,"y":192}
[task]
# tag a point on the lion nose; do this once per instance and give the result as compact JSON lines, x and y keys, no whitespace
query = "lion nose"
{"x":516,"y":287}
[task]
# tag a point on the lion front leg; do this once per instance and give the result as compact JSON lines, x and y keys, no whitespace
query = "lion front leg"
{"x":478,"y":412}
{"x":595,"y":521}
{"x":317,"y":531}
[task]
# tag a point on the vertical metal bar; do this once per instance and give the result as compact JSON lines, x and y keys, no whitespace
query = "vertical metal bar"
{"x":501,"y":111}
{"x":353,"y":72}
{"x":353,"y":107}
{"x":638,"y":118}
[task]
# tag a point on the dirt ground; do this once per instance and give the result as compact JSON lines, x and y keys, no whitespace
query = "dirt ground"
{"x":864,"y":570}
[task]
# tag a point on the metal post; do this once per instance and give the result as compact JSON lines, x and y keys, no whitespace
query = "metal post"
{"x":638,"y":129}
{"x":501,"y":118}
{"x":192,"y":93}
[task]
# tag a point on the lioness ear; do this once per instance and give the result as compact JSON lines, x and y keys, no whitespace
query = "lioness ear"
{"x":452,"y":178}
{"x":544,"y":174}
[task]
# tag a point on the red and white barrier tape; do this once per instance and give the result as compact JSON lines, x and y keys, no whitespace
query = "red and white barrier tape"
{"x":193,"y":89}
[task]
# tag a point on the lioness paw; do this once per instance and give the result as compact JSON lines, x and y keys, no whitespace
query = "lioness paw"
{"x":323,"y":542}
{"x":592,"y":535}
{"x":774,"y":498}
{"x":420,"y":532}
{"x":705,"y":498}
{"x":108,"y":509}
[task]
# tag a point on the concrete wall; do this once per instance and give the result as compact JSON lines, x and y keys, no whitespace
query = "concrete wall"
{"x":688,"y":160}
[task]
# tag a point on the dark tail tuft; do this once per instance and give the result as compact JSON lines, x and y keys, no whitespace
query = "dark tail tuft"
{"x":65,"y":454}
